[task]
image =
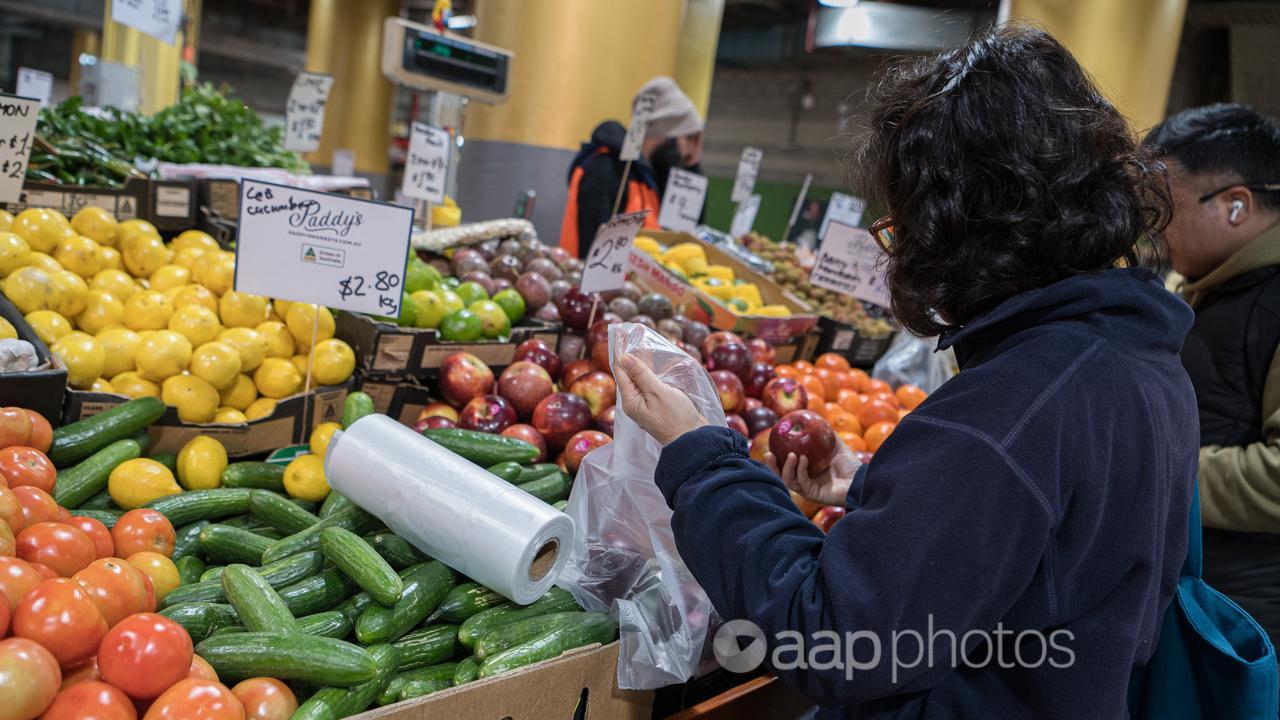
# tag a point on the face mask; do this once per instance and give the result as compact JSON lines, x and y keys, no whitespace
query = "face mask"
{"x":665,"y":157}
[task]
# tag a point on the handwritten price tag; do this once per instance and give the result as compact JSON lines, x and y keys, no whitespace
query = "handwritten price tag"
{"x":321,"y":248}
{"x":744,"y":218}
{"x":634,"y":140}
{"x":304,"y":111}
{"x":842,"y":208}
{"x":36,"y":84}
{"x":427,"y":166}
{"x":158,"y":18}
{"x":17,"y":134}
{"x":744,"y":183}
{"x":682,"y":201}
{"x":606,"y":267}
{"x":851,"y":263}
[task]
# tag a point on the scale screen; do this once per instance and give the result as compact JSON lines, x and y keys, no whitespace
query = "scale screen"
{"x":427,"y":59}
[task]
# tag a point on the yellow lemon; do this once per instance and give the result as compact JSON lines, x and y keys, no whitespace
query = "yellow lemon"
{"x":136,"y":482}
{"x":276,"y":378}
{"x":49,"y":325}
{"x":333,"y":362}
{"x":201,"y":462}
{"x":42,"y":228}
{"x":31,"y":289}
{"x":196,"y":322}
{"x":229,"y":416}
{"x":116,"y":282}
{"x":163,"y":354}
{"x":251,"y":346}
{"x":129,"y":230}
{"x":216,"y":363}
{"x":14,"y":253}
{"x":301,"y":362}
{"x":101,"y":311}
{"x":304,"y":478}
{"x":78,"y":254}
{"x":109,"y":257}
{"x":260,"y":408}
{"x":72,"y":292}
{"x":44,"y":262}
{"x":120,"y":344}
{"x":216,"y":272}
{"x":147,"y":310}
{"x":321,"y":436}
{"x":6,"y":220}
{"x":96,"y":224}
{"x":169,"y":276}
{"x":195,"y":239}
{"x":281,"y":308}
{"x":302,"y":320}
{"x":83,"y":356}
{"x":279,"y":340}
{"x":134,"y":385}
{"x":101,"y":385}
{"x":196,"y":295}
{"x":239,"y":309}
{"x":194,"y":397}
{"x":241,"y":394}
{"x":171,"y":293}
{"x":144,"y":255}
{"x":7,"y":330}
{"x":189,"y":257}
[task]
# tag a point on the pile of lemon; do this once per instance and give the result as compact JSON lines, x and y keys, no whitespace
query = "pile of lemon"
{"x":688,"y":260}
{"x":131,"y":315}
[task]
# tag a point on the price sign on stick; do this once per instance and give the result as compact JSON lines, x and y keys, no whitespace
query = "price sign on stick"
{"x":842,"y":208}
{"x":321,"y":248}
{"x":304,"y":111}
{"x":158,"y":18}
{"x":606,"y":267}
{"x":682,"y":201}
{"x":634,"y":140}
{"x":744,"y":183}
{"x":744,"y":218}
{"x":17,"y":134}
{"x":851,"y":263}
{"x":36,"y":84}
{"x":427,"y":166}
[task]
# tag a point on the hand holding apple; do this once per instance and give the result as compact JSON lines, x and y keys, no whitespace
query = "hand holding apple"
{"x":659,"y":409}
{"x":828,"y":487}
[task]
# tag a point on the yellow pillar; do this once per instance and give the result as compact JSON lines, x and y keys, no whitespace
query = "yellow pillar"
{"x":83,"y":42}
{"x":696,"y":62}
{"x":344,"y":39}
{"x":157,"y":61}
{"x":1129,"y":46}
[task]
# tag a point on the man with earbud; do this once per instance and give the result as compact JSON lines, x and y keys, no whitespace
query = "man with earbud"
{"x":1224,"y":163}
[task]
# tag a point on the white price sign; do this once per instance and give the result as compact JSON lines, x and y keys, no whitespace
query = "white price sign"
{"x":158,"y":18}
{"x":17,"y":135}
{"x":851,"y":263}
{"x":321,"y":248}
{"x":842,"y":208}
{"x":606,"y":267}
{"x":634,"y":140}
{"x":344,"y":162}
{"x":304,"y":111}
{"x":36,"y":84}
{"x":682,"y":201}
{"x":744,"y":218}
{"x":427,"y":166}
{"x":744,"y":183}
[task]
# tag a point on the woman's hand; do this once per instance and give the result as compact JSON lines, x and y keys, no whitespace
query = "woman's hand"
{"x":828,"y":487}
{"x":659,"y":409}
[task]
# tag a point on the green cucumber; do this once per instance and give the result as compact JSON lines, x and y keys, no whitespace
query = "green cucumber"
{"x":252,"y":524}
{"x":106,"y":517}
{"x":237,"y":656}
{"x":354,"y":605}
{"x":167,"y":459}
{"x":533,"y":472}
{"x":508,"y":471}
{"x":256,"y":602}
{"x":435,"y":671}
{"x":77,"y":485}
{"x":424,"y":587}
{"x":428,"y":646}
{"x":77,"y":441}
{"x":330,"y":623}
{"x":362,"y":563}
{"x":560,"y":504}
{"x":591,"y":628}
{"x":467,"y":670}
{"x":549,"y":488}
{"x":195,"y":505}
{"x":555,"y":600}
{"x":228,"y":630}
{"x":360,"y":697}
{"x":101,"y":501}
{"x":226,"y":544}
{"x":322,"y":705}
{"x":282,"y":573}
{"x":279,"y":513}
{"x":190,"y":568}
{"x":353,"y":518}
{"x":395,"y":550}
{"x":317,"y":593}
{"x":333,"y":502}
{"x":357,"y":405}
{"x":202,"y":619}
{"x":254,"y":475}
{"x":391,"y":693}
{"x":417,"y":688}
{"x":505,"y":637}
{"x":188,"y":540}
{"x":483,"y":449}
{"x":212,"y":572}
{"x":467,"y":599}
{"x":309,"y":505}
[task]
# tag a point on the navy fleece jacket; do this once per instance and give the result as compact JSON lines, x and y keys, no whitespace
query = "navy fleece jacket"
{"x":1044,"y":488}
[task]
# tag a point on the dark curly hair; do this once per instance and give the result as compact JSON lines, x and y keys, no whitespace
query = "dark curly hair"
{"x":1005,"y":170}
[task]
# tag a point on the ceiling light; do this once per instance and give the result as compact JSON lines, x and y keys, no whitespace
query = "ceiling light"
{"x":838,"y":3}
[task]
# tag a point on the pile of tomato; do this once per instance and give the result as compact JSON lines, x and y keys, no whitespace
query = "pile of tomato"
{"x":81,"y":638}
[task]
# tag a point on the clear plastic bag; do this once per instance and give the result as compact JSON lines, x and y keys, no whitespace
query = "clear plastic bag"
{"x":917,"y":361}
{"x":624,"y":557}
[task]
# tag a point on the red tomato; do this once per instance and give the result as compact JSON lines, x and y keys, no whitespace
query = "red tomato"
{"x":15,"y":426}
{"x":92,"y":700}
{"x":29,"y":678}
{"x":11,"y":510}
{"x":63,"y":515}
{"x":202,"y":670}
{"x":145,"y":654}
{"x":41,"y":432}
{"x":148,"y":604}
{"x":59,"y":615}
{"x":17,"y":578}
{"x":115,"y":587}
{"x":97,"y":532}
{"x":46,"y":572}
{"x":64,"y":548}
{"x":143,"y":530}
{"x":37,"y":505}
{"x":8,"y":543}
{"x":27,"y":466}
{"x":5,"y":614}
{"x":266,"y":699}
{"x":193,"y":699}
{"x":86,"y":671}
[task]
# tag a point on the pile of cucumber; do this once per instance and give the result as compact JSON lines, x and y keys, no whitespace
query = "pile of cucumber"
{"x":324,"y":596}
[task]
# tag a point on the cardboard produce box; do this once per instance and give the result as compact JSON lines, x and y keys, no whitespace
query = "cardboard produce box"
{"x":576,"y":685}
{"x":170,"y":205}
{"x":860,"y":349}
{"x":402,"y":400}
{"x":39,"y":390}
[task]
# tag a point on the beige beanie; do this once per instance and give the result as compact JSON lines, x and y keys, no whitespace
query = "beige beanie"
{"x":673,"y":113}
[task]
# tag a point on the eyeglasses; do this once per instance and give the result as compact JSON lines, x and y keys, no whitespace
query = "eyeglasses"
{"x":1257,"y":187}
{"x":882,"y":231}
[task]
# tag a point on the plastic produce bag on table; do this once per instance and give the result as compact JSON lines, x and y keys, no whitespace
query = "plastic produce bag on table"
{"x":916,"y":361}
{"x":624,"y":556}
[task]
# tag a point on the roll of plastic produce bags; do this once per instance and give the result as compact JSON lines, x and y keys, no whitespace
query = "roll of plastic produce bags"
{"x":625,"y":558}
{"x":450,"y":509}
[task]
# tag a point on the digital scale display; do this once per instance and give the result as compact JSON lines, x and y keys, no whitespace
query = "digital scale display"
{"x":454,"y":60}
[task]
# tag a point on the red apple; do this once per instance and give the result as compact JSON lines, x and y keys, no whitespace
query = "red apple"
{"x":598,"y":389}
{"x":734,"y":357}
{"x":524,"y":384}
{"x":434,"y":422}
{"x":762,"y":351}
{"x":488,"y":413}
{"x":599,"y":333}
{"x":753,"y":403}
{"x":527,"y":433}
{"x":575,"y":308}
{"x":729,"y":388}
{"x":759,"y":419}
{"x":438,"y":409}
{"x":464,"y":376}
{"x":573,"y":371}
{"x":604,"y":421}
{"x":827,"y":516}
{"x":804,"y":433}
{"x":735,"y":422}
{"x":600,"y":357}
{"x":559,"y":417}
{"x":760,"y":374}
{"x":784,"y":395}
{"x":759,"y":446}
{"x":538,"y":351}
{"x":581,"y":444}
{"x":721,"y":337}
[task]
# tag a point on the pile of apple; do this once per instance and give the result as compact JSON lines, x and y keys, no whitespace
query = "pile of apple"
{"x":539,"y":273}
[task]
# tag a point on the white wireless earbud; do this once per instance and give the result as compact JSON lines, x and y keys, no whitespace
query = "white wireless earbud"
{"x":1237,"y":206}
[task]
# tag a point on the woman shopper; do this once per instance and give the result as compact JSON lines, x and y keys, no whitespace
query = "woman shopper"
{"x":1012,"y":548}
